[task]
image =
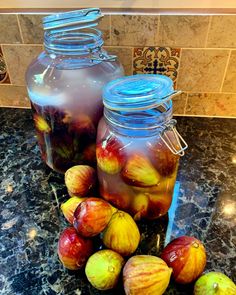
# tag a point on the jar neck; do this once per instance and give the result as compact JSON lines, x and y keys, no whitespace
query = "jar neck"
{"x":76,"y":43}
{"x":140,"y":123}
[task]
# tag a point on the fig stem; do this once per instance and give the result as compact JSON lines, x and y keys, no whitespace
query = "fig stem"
{"x":195,"y":245}
{"x":215,"y":286}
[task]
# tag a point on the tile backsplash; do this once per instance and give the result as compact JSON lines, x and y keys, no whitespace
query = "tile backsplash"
{"x":198,"y":52}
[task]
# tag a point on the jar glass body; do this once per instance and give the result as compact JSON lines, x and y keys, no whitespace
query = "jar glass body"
{"x":66,"y":99}
{"x":136,"y":169}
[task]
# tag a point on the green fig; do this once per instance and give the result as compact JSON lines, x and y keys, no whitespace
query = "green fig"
{"x":214,"y":283}
{"x":103,"y":269}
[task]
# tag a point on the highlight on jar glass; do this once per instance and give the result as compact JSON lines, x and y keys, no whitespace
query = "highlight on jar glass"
{"x":138,"y":146}
{"x":65,"y":87}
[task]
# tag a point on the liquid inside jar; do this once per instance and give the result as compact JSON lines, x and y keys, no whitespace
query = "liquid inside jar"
{"x":136,"y":174}
{"x":67,"y":105}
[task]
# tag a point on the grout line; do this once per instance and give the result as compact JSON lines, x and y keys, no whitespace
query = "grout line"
{"x":207,"y":116}
{"x":208,"y":92}
{"x":158,"y":30}
{"x":180,"y":56}
{"x":125,"y":46}
{"x":7,"y":84}
{"x":15,"y":107}
{"x":132,"y":61}
{"x":209,"y":48}
{"x":186,"y":103}
{"x":110,"y":29}
{"x":111,"y":35}
{"x":225,"y":71}
{"x":21,"y":34}
{"x":208,"y":30}
{"x":21,"y":44}
{"x":114,"y":46}
{"x":5,"y":60}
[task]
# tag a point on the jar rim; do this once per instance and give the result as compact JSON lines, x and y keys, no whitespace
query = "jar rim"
{"x":71,"y":20}
{"x":137,"y":92}
{"x":73,"y":32}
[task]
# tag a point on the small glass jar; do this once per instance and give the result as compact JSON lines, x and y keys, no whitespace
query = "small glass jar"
{"x":65,"y":87}
{"x":138,"y":146}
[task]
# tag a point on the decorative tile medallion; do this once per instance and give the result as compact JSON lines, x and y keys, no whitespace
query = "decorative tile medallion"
{"x":157,"y":60}
{"x":4,"y":77}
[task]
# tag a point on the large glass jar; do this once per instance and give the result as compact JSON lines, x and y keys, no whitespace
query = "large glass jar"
{"x":138,"y":146}
{"x":65,"y":87}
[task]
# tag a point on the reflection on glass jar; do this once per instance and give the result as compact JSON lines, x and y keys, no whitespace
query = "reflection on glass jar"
{"x":65,"y":87}
{"x":138,"y":147}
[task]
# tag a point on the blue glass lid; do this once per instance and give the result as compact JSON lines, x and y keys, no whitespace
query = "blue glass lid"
{"x":137,"y":92}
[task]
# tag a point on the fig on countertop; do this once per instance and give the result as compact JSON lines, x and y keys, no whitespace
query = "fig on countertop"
{"x":214,"y":283}
{"x":73,"y":250}
{"x":92,"y":216}
{"x":103,"y":269}
{"x":68,"y":207}
{"x":146,"y":275}
{"x":121,"y":234}
{"x":80,"y":179}
{"x":187,"y":257}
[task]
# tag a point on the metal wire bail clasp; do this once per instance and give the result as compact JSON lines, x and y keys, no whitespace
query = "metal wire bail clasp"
{"x":177,"y":145}
{"x":102,"y":56}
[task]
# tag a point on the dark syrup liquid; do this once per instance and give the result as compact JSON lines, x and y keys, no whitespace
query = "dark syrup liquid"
{"x":65,"y":139}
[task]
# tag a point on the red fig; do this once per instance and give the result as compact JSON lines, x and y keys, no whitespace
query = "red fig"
{"x":92,"y":216}
{"x":68,"y":208}
{"x":73,"y":250}
{"x":110,"y":155}
{"x":187,"y":257}
{"x":80,"y":180}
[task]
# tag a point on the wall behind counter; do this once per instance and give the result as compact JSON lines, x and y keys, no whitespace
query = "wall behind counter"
{"x":197,"y":51}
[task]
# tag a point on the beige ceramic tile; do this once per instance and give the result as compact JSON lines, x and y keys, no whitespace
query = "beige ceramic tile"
{"x":104,"y":26}
{"x":124,"y":55}
{"x":202,"y":70}
{"x":134,"y":30}
{"x":211,"y":104}
{"x":183,"y":30}
{"x":18,"y":57}
{"x":9,"y":29}
{"x":13,"y":96}
{"x":156,"y":60}
{"x":230,"y":78}
{"x":222,"y":32}
{"x":32,"y":28}
{"x":179,"y":103}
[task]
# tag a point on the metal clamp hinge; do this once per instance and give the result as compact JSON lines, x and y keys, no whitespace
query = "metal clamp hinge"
{"x":102,"y":56}
{"x":176,"y":145}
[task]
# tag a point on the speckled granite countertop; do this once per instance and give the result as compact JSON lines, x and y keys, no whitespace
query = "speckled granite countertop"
{"x":30,"y":218}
